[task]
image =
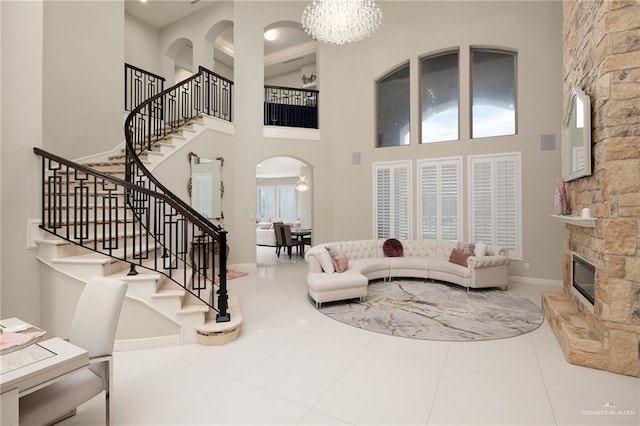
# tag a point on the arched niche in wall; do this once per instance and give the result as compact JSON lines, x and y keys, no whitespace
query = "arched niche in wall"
{"x":179,"y":60}
{"x":220,"y":49}
{"x":289,"y":56}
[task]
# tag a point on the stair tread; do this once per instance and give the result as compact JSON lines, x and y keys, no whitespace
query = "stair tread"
{"x":89,"y":258}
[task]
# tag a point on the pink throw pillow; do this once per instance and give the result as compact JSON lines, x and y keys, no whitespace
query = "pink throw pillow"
{"x":459,"y":257}
{"x":340,"y":262}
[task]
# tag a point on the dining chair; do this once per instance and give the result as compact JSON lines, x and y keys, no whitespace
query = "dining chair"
{"x":93,"y":328}
{"x":276,"y":229}
{"x":286,"y":239}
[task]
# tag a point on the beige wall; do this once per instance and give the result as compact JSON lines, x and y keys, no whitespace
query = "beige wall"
{"x":83,"y":76}
{"x":142,"y":45}
{"x":22,"y":61}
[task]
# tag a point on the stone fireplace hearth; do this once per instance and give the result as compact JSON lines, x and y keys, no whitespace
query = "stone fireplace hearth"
{"x":602,"y":57}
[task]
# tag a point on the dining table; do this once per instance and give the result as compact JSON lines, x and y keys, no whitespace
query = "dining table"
{"x":27,"y":366}
{"x":300,"y":235}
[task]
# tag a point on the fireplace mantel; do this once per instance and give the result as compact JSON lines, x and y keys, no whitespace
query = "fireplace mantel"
{"x":577,"y":220}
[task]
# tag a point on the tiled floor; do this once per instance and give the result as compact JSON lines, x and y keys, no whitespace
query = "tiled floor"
{"x":293,"y":365}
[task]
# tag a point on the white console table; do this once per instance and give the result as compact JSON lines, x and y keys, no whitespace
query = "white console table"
{"x":27,"y":371}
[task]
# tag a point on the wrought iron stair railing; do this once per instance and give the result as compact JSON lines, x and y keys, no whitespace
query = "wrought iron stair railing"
{"x":138,"y":220}
{"x":179,"y":227}
{"x":136,"y":225}
{"x":140,"y":85}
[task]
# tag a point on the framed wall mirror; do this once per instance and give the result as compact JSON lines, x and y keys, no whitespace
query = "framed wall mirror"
{"x":576,"y":136}
{"x":205,"y":186}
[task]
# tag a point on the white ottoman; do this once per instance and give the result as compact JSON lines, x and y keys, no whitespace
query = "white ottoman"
{"x":337,"y":286}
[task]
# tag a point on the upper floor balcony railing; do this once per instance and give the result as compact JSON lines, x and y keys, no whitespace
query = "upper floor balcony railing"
{"x":209,"y":94}
{"x":140,"y":85}
{"x":290,"y":107}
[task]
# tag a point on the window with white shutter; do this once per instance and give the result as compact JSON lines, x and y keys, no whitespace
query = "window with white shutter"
{"x":392,"y":201}
{"x":440,"y":199}
{"x":495,"y":186}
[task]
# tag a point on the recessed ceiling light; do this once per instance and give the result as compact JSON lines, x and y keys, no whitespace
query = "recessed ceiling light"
{"x":143,"y":1}
{"x":271,"y":35}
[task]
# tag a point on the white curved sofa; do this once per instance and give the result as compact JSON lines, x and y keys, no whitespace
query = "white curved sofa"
{"x":425,"y":259}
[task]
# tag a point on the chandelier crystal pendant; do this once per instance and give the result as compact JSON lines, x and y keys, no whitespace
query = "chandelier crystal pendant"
{"x":341,"y":21}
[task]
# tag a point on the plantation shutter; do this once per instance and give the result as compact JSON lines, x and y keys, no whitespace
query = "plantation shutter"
{"x":440,"y":199}
{"x":392,"y":200}
{"x":383,"y":205}
{"x":495,"y":199}
{"x":429,"y":199}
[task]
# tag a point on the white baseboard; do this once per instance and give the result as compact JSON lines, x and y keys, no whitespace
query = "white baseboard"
{"x":147,"y":343}
{"x":535,"y":281}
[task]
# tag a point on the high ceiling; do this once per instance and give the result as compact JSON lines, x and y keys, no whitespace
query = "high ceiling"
{"x":160,"y":13}
{"x":291,"y":49}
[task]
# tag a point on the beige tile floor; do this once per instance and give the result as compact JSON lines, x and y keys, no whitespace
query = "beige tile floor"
{"x":293,"y":365}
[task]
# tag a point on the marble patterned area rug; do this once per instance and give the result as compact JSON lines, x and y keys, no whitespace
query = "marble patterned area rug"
{"x":437,"y":311}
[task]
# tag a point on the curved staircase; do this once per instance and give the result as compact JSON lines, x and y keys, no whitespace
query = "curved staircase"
{"x":109,"y":216}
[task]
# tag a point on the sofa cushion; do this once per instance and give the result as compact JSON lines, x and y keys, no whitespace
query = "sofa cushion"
{"x":324,"y":282}
{"x":368,"y":266}
{"x":449,"y":268}
{"x":392,"y":248}
{"x":459,"y":257}
{"x":405,"y":262}
{"x":325,"y":261}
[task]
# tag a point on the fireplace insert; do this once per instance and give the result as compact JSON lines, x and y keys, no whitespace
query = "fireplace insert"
{"x":583,"y":277}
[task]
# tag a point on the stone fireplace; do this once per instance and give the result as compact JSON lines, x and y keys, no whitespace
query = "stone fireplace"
{"x":602,"y":57}
{"x":583,"y":276}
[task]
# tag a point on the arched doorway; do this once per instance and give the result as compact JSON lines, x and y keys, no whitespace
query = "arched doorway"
{"x":284,"y":193}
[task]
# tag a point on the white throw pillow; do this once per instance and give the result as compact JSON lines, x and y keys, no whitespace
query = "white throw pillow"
{"x":480,"y":250}
{"x":325,"y":261}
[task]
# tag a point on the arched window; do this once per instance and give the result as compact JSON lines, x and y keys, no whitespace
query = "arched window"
{"x":393,"y":108}
{"x":493,"y":96}
{"x":439,"y":97}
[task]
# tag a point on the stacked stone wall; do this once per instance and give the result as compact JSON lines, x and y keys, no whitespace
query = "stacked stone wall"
{"x":602,"y":57}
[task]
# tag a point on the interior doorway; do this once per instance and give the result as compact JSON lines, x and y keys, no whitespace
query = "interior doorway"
{"x":284,"y":194}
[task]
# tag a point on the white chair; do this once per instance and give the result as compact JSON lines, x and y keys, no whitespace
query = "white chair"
{"x":94,"y":329}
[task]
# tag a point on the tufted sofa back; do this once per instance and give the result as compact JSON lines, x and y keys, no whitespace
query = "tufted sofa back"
{"x":371,"y":249}
{"x":357,"y":249}
{"x":419,"y":248}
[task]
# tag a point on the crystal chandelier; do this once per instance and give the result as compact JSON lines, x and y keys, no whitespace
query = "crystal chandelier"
{"x":341,"y":21}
